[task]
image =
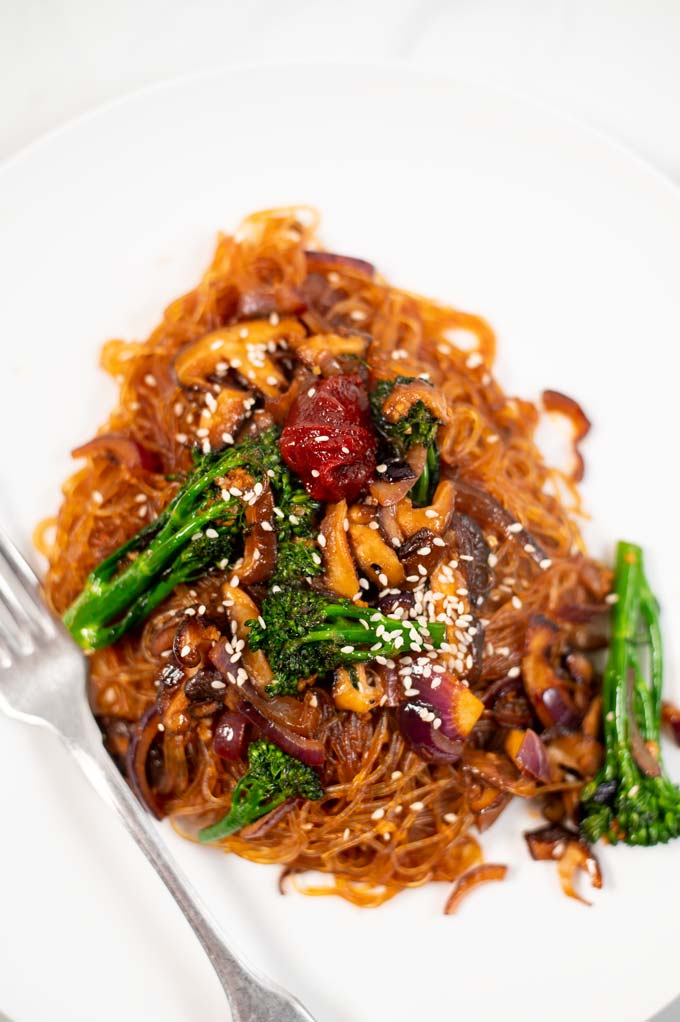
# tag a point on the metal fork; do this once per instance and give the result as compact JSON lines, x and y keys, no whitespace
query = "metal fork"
{"x":43,"y":681}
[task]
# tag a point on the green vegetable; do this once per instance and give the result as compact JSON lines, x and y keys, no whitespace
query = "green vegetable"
{"x":418,"y":426}
{"x":308,"y":633}
{"x":272,"y":777}
{"x":198,"y":530}
{"x":296,"y":560}
{"x":623,"y":802}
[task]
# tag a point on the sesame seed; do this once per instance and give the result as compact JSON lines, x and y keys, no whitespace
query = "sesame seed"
{"x":417,"y":806}
{"x":425,"y":550}
{"x":345,"y":450}
{"x":382,"y":578}
{"x":266,"y":526}
{"x":545,"y":563}
{"x":150,"y":380}
{"x":315,"y":473}
{"x":431,"y":513}
{"x":492,"y":438}
{"x":345,"y":524}
{"x":181,"y":438}
{"x":347,"y":649}
{"x":377,"y":814}
{"x":345,"y":833}
{"x":357,"y":315}
{"x":514,"y":672}
{"x":205,"y":446}
{"x":364,"y":583}
{"x":235,"y":492}
{"x":515,"y":527}
{"x":612,"y":598}
{"x":381,"y":468}
{"x":234,"y":581}
{"x":311,"y":392}
{"x":97,"y":497}
{"x":321,"y":439}
{"x":293,"y":519}
{"x":474,"y":360}
{"x":634,"y":790}
{"x":201,"y":432}
{"x":243,"y":332}
{"x":373,"y":525}
{"x":212,"y":533}
{"x":529,"y":549}
{"x":274,"y":318}
{"x":217,"y":684}
{"x":185,"y":650}
{"x":396,"y":774}
{"x":321,"y":540}
{"x":492,"y":560}
{"x":272,"y":381}
{"x":516,"y":602}
{"x":450,"y":818}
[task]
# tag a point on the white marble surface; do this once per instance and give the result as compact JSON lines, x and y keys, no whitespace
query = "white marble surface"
{"x":611,"y":63}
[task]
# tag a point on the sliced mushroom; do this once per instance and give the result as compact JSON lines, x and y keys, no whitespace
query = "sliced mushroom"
{"x":377,"y":560}
{"x":241,"y":608}
{"x":404,"y":396}
{"x":322,"y":350}
{"x":410,"y":519}
{"x":354,"y":689}
{"x":549,"y":696}
{"x":420,"y":556}
{"x":233,"y":345}
{"x":340,"y":574}
{"x":230,"y":409}
{"x":259,"y":548}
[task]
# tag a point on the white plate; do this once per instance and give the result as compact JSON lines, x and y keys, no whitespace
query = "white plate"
{"x":571,"y":248}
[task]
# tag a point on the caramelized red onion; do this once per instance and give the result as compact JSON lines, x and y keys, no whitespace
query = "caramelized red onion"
{"x":143,"y":734}
{"x":307,"y":750}
{"x":554,"y":401}
{"x":483,"y":874}
{"x":119,"y":449}
{"x":332,"y":259}
{"x":437,"y":721}
{"x":486,"y":510}
{"x":229,"y":735}
{"x":528,"y":753}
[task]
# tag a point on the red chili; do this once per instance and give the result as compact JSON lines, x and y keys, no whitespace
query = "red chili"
{"x":328,"y":440}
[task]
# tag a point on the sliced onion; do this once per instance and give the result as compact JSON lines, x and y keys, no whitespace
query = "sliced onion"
{"x":143,"y":734}
{"x":442,"y":698}
{"x":307,"y":750}
{"x":483,"y":874}
{"x":528,"y":753}
{"x":299,"y":715}
{"x":346,"y":262}
{"x":554,"y":401}
{"x":487,"y":805}
{"x":428,"y":742}
{"x":120,"y":449}
{"x":229,"y":735}
{"x":474,"y":501}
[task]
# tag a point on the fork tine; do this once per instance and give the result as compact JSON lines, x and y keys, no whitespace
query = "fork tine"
{"x":21,"y":589}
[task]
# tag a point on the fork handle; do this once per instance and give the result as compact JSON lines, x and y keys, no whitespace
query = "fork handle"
{"x":251,"y":998}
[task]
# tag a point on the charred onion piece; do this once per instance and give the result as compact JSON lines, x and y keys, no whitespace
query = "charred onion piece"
{"x":554,"y":401}
{"x":307,"y":750}
{"x":120,"y":449}
{"x":142,"y":736}
{"x":528,"y":753}
{"x":473,"y":557}
{"x":229,"y":735}
{"x":483,"y":874}
{"x":474,"y":501}
{"x":343,"y":262}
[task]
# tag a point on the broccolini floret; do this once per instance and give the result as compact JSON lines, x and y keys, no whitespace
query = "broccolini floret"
{"x":308,"y":633}
{"x":631,"y":799}
{"x":272,"y":777}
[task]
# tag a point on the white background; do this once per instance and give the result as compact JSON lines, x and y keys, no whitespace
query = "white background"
{"x":612,"y":63}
